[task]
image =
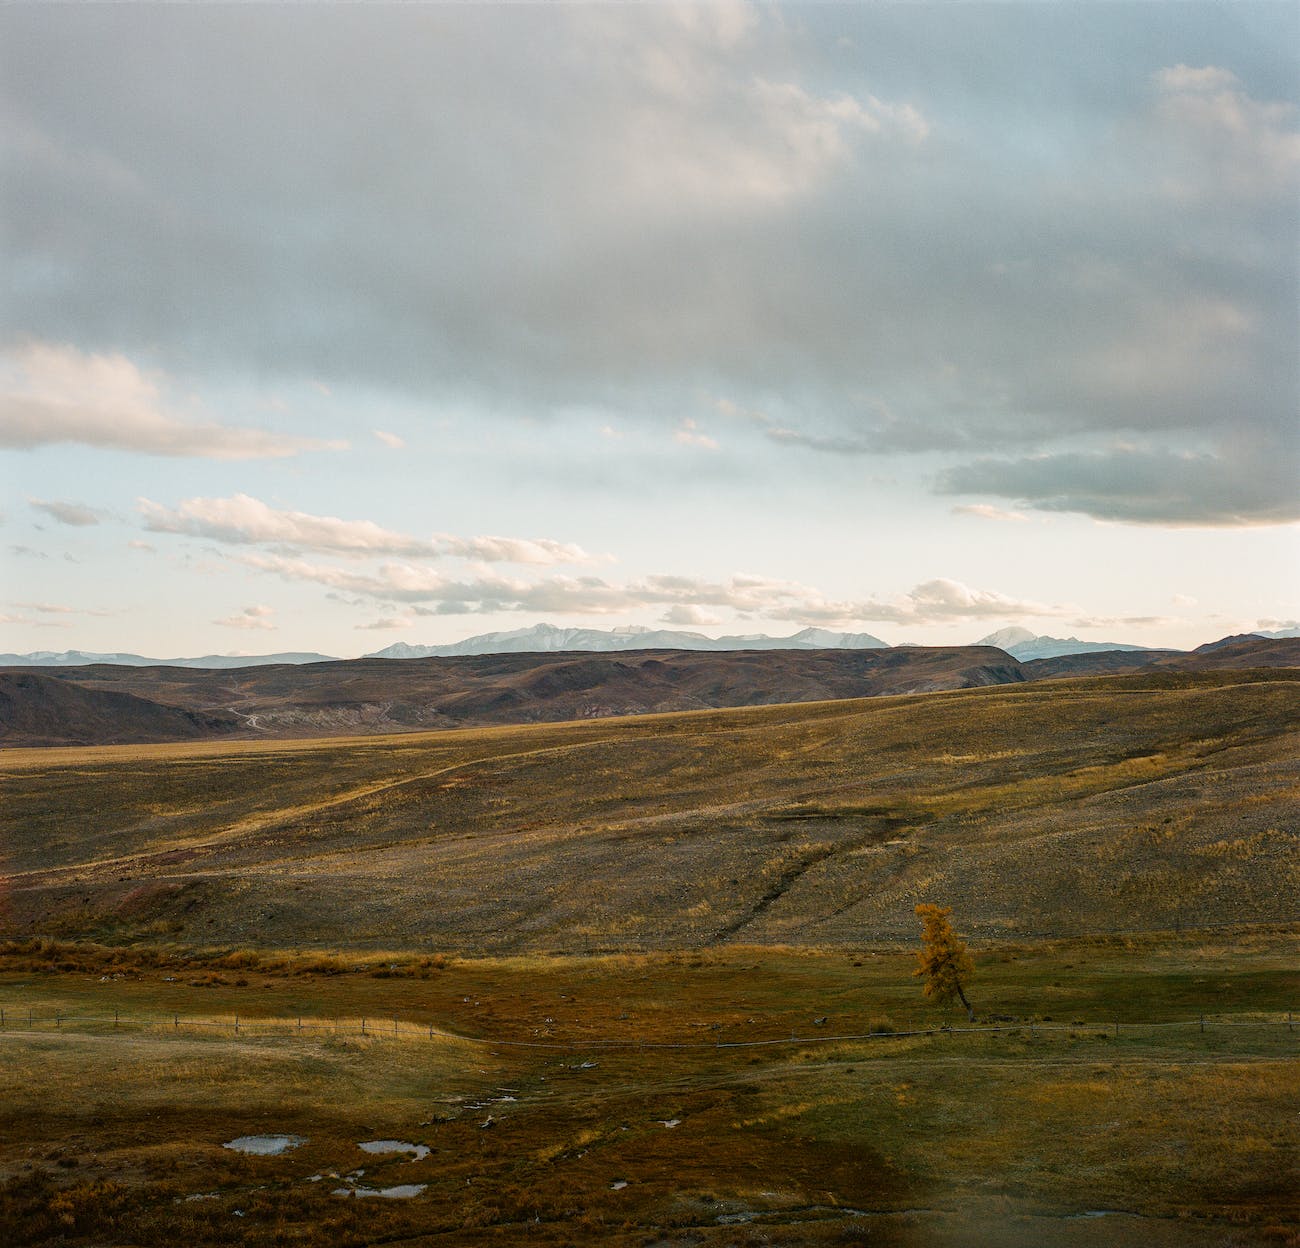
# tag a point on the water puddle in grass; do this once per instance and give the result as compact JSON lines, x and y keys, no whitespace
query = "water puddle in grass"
{"x":1094,"y":1213}
{"x":421,"y":1151}
{"x":265,"y":1145}
{"x":670,"y":1122}
{"x":618,"y":1185}
{"x":403,"y":1191}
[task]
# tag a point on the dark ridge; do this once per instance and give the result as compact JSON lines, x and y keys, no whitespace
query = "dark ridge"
{"x":44,"y":710}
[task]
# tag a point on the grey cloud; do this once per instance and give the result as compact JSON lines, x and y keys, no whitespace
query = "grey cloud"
{"x":904,"y":228}
{"x":1231,"y":486}
{"x":68,"y":513}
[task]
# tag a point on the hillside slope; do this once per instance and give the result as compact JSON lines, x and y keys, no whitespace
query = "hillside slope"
{"x":1062,"y":807}
{"x":387,"y":695}
{"x":37,"y":709}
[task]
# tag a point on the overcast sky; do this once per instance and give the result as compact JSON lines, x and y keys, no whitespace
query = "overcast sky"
{"x":326,"y":327}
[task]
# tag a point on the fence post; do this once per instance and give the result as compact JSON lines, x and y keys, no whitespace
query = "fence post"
{"x":1202,"y":1024}
{"x":114,"y":1020}
{"x":58,"y":1019}
{"x":176,"y":1022}
{"x":236,"y":1024}
{"x":363,"y":1026}
{"x":1289,"y":1026}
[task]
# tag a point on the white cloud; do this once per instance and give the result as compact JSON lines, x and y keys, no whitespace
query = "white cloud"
{"x":256,"y":617}
{"x":986,"y":512}
{"x":694,"y":130}
{"x":684,"y":614}
{"x":385,"y":624}
{"x":73,"y":514}
{"x":389,"y":439}
{"x":935,"y":601}
{"x":52,"y":394}
{"x":1180,"y":78}
{"x":1218,"y":141}
{"x":1183,"y":600}
{"x":932,"y":602}
{"x":243,"y":520}
{"x":53,"y":608}
{"x":688,"y":434}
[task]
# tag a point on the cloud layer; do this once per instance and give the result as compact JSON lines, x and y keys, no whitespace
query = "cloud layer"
{"x":242,"y":520}
{"x":52,"y":394}
{"x":630,"y":207}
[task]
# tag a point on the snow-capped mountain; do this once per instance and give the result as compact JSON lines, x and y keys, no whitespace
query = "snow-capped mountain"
{"x":1021,"y":644}
{"x":542,"y":638}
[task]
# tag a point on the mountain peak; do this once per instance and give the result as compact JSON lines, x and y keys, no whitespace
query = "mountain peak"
{"x":1004,"y":637}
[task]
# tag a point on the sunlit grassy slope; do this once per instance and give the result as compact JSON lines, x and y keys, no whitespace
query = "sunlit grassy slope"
{"x":1093,"y":805}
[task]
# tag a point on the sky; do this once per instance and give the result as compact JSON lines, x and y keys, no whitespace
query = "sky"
{"x":329,"y":326}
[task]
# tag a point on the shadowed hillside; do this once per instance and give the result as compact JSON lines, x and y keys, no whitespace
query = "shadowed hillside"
{"x":1125,"y":802}
{"x":385,"y":695}
{"x":36,"y":709}
{"x":1234,"y":655}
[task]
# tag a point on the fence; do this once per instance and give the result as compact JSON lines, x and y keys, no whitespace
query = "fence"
{"x":30,"y":1020}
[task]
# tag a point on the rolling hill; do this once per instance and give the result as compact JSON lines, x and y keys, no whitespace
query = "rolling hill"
{"x":1035,"y":809}
{"x":37,"y":709}
{"x":385,"y":695}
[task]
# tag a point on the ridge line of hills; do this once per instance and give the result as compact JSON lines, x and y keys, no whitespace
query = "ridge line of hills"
{"x":543,"y":638}
{"x":101,"y":704}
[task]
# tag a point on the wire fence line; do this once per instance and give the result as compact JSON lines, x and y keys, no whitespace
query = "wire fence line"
{"x":25,"y":1020}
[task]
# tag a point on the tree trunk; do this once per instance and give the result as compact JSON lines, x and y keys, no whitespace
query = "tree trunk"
{"x":970,"y":1011}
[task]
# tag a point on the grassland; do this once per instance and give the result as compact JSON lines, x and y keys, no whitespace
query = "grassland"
{"x":1053,"y":809}
{"x":619,"y":925}
{"x":1177,"y":1135}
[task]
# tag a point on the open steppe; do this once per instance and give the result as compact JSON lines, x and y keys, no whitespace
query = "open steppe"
{"x":522,"y":916}
{"x":1047,"y":809}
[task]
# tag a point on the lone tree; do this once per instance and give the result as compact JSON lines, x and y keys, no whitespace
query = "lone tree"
{"x":945,"y":964}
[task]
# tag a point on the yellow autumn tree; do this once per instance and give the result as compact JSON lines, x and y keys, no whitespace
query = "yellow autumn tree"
{"x":945,"y":964}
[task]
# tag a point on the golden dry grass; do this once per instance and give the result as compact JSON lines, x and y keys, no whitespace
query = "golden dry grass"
{"x":1082,"y":806}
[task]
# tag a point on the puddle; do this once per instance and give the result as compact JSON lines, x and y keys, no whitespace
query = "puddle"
{"x":403,"y":1191}
{"x":670,"y":1122}
{"x":265,"y":1145}
{"x":618,"y":1185}
{"x":1094,"y":1213}
{"x":421,"y":1151}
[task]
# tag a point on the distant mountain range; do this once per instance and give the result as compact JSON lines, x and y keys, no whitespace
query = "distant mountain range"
{"x":547,"y":638}
{"x":80,"y":658}
{"x":1020,"y":643}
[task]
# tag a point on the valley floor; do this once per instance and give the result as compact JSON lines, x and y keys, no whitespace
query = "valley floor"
{"x":1063,"y":1128}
